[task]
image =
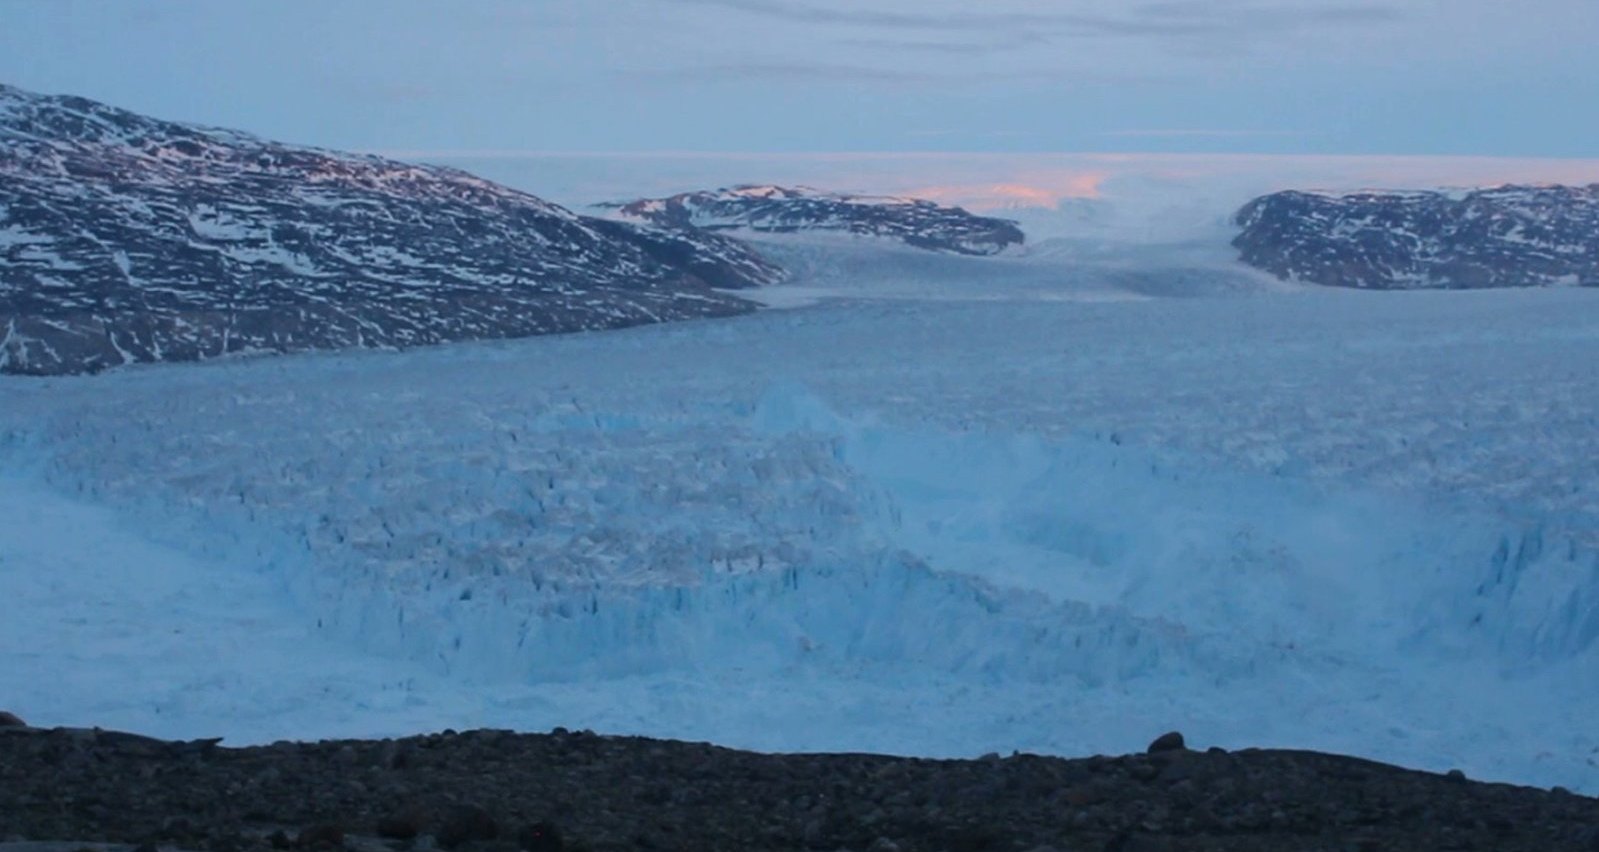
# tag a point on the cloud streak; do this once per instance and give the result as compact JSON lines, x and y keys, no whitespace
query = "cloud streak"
{"x":1198,"y":133}
{"x":1152,"y":19}
{"x":743,"y":72}
{"x":998,"y":43}
{"x":755,"y":71}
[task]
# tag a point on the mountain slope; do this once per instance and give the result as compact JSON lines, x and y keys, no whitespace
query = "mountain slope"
{"x":775,"y":209}
{"x":129,"y":239}
{"x":1511,"y":236}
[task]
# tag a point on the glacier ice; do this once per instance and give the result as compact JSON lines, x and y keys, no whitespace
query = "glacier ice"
{"x":1342,"y":521}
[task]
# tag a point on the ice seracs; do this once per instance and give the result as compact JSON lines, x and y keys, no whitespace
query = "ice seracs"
{"x":1508,"y":236}
{"x":1327,"y":519}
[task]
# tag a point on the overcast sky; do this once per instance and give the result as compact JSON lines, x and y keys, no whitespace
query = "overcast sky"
{"x":1485,"y":77}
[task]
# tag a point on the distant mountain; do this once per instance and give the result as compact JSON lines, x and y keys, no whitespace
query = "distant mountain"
{"x":1511,"y":236}
{"x":776,"y":209}
{"x":128,"y":239}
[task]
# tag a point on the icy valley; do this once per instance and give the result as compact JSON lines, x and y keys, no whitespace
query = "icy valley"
{"x":921,"y":513}
{"x":950,"y":492}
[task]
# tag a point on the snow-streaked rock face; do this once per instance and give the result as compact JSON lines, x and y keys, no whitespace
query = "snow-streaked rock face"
{"x":1510,"y":236}
{"x":775,"y":209}
{"x":129,"y":239}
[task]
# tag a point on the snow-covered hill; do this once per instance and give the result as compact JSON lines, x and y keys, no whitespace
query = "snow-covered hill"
{"x":128,"y":239}
{"x":1510,"y":236}
{"x":775,"y":209}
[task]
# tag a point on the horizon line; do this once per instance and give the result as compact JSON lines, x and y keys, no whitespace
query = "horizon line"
{"x":536,"y":153}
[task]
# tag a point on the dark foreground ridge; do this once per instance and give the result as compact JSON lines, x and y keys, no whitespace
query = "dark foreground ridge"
{"x":493,"y":790}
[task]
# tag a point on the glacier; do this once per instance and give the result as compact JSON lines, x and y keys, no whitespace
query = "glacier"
{"x":927,"y":514}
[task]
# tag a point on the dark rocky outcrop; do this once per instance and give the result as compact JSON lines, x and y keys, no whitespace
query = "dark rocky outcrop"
{"x":493,"y":790}
{"x":775,"y":209}
{"x":129,"y":239}
{"x":1510,"y":236}
{"x":1170,"y":741}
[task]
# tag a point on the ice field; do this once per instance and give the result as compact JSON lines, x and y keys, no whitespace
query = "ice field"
{"x":931,"y":510}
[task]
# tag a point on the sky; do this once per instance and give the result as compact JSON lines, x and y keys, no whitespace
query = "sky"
{"x":1110,"y":198}
{"x":479,"y":77}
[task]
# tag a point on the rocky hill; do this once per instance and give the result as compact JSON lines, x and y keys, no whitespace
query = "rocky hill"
{"x":1510,"y":236}
{"x":775,"y":209}
{"x":129,"y":239}
{"x":495,"y":790}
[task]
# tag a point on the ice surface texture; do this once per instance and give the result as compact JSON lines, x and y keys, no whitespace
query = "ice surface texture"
{"x":1352,"y":521}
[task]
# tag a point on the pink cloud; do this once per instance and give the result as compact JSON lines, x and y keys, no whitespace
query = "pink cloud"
{"x":1132,"y":183}
{"x":999,"y":196}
